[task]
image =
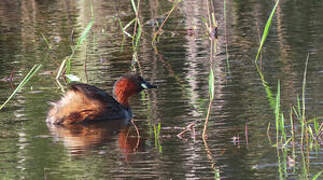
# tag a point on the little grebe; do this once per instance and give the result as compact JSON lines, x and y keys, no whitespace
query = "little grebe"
{"x":86,"y":103}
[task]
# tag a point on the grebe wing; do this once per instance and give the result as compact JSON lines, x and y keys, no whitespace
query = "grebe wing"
{"x":92,"y":92}
{"x":112,"y":107}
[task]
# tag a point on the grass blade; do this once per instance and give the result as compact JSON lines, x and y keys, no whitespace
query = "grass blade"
{"x":67,"y":61}
{"x":155,"y":134}
{"x":266,"y":30}
{"x":30,"y":74}
{"x":269,"y":94}
{"x":303,"y":100}
{"x":84,"y":34}
{"x":317,"y":175}
{"x":61,"y":68}
{"x":277,"y":111}
{"x":127,"y":25}
{"x":310,"y":131}
{"x":138,"y":35}
{"x":298,"y":106}
{"x":134,"y":6}
{"x":46,"y":41}
{"x":282,"y":127}
{"x":316,"y":126}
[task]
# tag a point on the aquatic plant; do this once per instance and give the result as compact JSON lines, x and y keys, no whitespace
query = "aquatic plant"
{"x":286,"y":139}
{"x":135,"y":40}
{"x":157,"y":137}
{"x":211,"y":97}
{"x":156,"y":34}
{"x":46,"y":41}
{"x":263,"y":38}
{"x":137,"y":27}
{"x":310,"y":129}
{"x":212,"y":30}
{"x":65,"y":66}
{"x":30,"y":74}
{"x":266,"y":30}
{"x":212,"y":27}
{"x":136,"y":34}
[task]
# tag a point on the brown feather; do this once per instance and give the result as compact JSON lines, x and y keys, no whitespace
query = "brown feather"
{"x":74,"y":107}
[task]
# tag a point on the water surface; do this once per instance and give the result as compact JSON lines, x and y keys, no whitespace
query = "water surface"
{"x":237,"y":146}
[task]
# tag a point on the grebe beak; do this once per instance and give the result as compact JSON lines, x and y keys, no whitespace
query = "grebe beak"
{"x":146,"y":85}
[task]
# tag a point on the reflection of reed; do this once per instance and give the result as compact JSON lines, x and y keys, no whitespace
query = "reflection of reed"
{"x":129,"y":141}
{"x":79,"y":138}
{"x":29,"y":11}
{"x":284,"y":47}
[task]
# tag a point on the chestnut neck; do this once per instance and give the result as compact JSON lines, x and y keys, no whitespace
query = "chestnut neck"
{"x":123,"y":89}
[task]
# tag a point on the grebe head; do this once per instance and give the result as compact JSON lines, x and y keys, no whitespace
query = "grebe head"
{"x":129,"y":85}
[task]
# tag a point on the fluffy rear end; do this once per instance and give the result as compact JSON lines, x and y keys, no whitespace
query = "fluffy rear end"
{"x":74,"y":107}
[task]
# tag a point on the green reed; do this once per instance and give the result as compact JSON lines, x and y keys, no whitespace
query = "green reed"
{"x":137,"y":32}
{"x":135,"y":39}
{"x":30,"y":74}
{"x":266,"y":30}
{"x":303,"y":120}
{"x":263,"y":39}
{"x":317,"y":175}
{"x":211,"y":26}
{"x":65,"y":66}
{"x":157,"y":137}
{"x":277,"y":111}
{"x":46,"y":41}
{"x":211,"y":97}
{"x":310,"y":129}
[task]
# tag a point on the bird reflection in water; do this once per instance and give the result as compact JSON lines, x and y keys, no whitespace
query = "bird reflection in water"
{"x":80,"y":139}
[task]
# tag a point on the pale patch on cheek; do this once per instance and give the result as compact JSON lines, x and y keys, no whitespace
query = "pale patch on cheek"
{"x":144,"y":86}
